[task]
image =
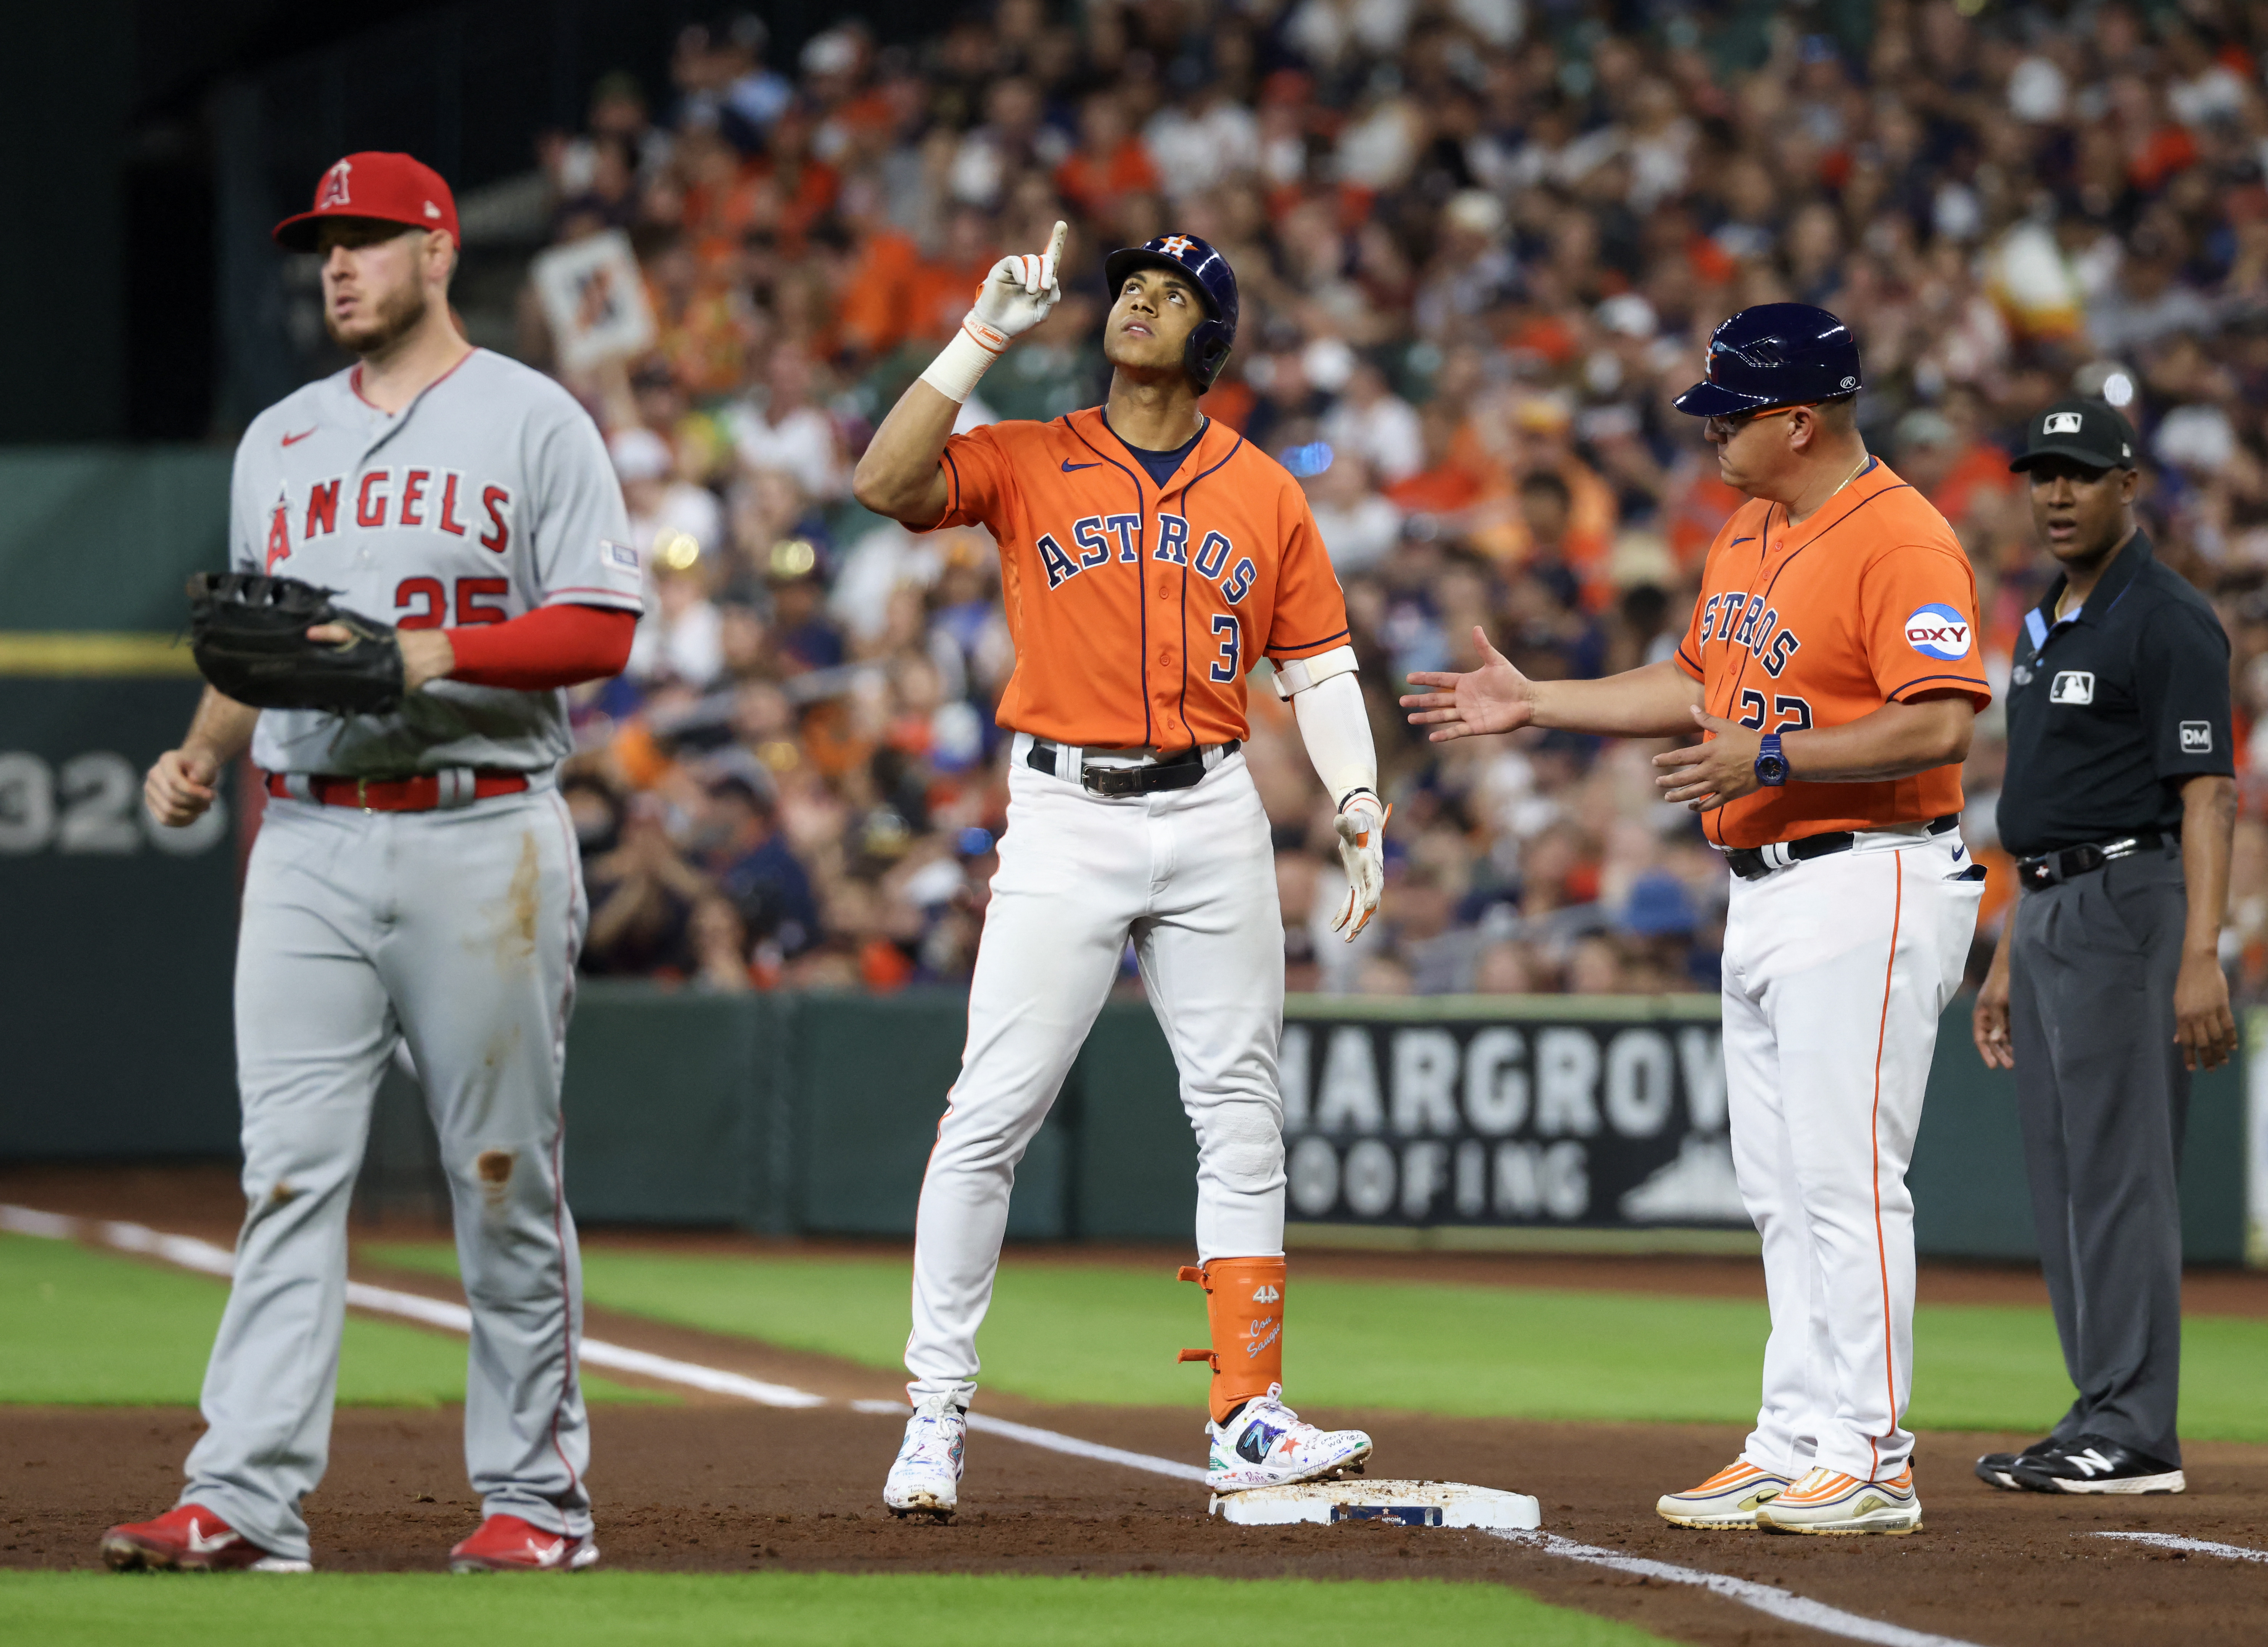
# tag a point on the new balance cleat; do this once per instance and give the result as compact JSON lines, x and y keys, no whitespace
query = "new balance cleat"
{"x":1828,"y":1501}
{"x":926,"y":1478}
{"x":1997,"y":1469}
{"x":1268,"y":1444}
{"x":1728,"y":1499}
{"x":188,"y":1538}
{"x":2088,"y":1463}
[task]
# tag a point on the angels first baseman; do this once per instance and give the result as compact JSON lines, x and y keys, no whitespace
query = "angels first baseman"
{"x":415,"y":881}
{"x":1832,"y":661}
{"x":1149,"y":557}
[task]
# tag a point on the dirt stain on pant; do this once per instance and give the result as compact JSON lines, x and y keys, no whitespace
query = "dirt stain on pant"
{"x":494,"y":1169}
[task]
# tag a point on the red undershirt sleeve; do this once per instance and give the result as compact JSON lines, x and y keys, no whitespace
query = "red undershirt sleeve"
{"x":549,"y":647}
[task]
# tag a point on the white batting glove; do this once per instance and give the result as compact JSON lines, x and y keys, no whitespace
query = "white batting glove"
{"x":1019,"y":291}
{"x":1361,"y":824}
{"x":1016,"y":296}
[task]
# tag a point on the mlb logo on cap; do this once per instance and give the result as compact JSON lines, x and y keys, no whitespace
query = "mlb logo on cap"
{"x":2063,"y":423}
{"x":2086,"y":431}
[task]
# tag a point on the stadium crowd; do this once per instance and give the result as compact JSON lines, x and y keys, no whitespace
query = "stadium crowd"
{"x":1481,"y":243}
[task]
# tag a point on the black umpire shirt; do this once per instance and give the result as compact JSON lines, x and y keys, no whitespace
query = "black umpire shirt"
{"x":2111,"y":708}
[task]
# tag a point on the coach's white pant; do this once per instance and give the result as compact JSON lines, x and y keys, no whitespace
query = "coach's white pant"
{"x":1835,"y":971}
{"x":456,"y":932}
{"x":1190,"y":876}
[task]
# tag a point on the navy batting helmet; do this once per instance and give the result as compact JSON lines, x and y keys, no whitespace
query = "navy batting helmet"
{"x":1775,"y":353}
{"x":1184,"y":254}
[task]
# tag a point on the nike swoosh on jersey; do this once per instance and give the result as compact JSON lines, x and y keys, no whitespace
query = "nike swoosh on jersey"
{"x":1069,"y":466}
{"x":293,"y":440}
{"x":1751,"y":537}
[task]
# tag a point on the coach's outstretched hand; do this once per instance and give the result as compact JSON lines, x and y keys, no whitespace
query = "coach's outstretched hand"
{"x":1020,"y":291}
{"x":1361,"y":825}
{"x":1494,"y":698}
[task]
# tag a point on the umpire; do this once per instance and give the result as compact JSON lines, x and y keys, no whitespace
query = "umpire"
{"x":2107,"y":989}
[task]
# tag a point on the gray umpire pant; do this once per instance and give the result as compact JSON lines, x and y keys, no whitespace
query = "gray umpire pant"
{"x":2104,"y":1097}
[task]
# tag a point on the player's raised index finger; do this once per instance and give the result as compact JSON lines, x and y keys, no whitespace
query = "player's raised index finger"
{"x":1056,"y":240}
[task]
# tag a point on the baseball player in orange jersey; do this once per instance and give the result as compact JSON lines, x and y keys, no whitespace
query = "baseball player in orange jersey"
{"x":1832,"y":665}
{"x":1149,"y":557}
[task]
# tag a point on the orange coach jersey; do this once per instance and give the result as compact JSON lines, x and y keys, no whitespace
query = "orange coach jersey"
{"x":1869,"y":601}
{"x":1137,"y":609}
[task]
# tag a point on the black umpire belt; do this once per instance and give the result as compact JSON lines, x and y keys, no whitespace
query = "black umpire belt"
{"x":1753,"y":862}
{"x":1181,"y":771}
{"x":2052,"y":869}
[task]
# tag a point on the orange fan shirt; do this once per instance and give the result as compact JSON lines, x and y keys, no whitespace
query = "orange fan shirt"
{"x":1869,"y":601}
{"x":1136,"y":609}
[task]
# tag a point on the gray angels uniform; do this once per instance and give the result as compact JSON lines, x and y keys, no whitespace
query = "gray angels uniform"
{"x":452,"y":932}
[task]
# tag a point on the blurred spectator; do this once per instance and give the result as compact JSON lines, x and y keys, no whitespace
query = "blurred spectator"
{"x":1480,"y":245}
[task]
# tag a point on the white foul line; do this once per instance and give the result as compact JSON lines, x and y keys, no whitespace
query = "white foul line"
{"x":1785,"y":1605}
{"x":2203,"y":1546}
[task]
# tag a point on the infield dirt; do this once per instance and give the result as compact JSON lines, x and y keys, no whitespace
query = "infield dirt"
{"x":713,"y":1485}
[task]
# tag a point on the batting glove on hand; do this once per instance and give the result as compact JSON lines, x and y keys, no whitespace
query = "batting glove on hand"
{"x":1361,"y":824}
{"x":1017,"y":295}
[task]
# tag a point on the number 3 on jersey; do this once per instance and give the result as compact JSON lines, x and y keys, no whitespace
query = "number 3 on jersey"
{"x":1793,"y":715}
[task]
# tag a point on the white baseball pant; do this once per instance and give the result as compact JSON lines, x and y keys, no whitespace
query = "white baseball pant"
{"x":1835,"y":971}
{"x":456,"y":932}
{"x":1189,"y":875}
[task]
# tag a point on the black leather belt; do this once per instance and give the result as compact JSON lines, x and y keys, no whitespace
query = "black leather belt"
{"x":2052,"y":869}
{"x":1182,"y":771}
{"x":1753,"y":862}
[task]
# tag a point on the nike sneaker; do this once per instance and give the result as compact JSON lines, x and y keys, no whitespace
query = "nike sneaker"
{"x":190,"y":1538}
{"x":1828,"y":1501}
{"x":926,"y":1478}
{"x":1728,"y":1499}
{"x":506,"y":1544}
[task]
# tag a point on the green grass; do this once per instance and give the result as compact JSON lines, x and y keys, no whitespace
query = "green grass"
{"x":1065,"y":1332}
{"x":780,"y":1610}
{"x":89,"y":1328}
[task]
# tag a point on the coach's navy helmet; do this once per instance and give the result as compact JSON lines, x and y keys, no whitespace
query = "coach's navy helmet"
{"x":1775,"y":353}
{"x":1216,"y":280}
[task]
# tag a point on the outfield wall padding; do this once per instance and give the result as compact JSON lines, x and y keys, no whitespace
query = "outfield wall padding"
{"x":815,"y":1114}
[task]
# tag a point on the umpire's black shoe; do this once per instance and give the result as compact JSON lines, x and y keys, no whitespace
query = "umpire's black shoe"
{"x":2088,"y":1463}
{"x":1995,"y":1470}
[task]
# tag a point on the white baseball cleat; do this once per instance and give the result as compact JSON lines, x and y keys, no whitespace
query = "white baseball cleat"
{"x":1268,"y":1444}
{"x":1728,"y":1499}
{"x":926,"y":1477}
{"x":1828,"y":1501}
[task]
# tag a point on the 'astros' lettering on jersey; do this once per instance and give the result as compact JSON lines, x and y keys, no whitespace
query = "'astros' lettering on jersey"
{"x":1137,"y":609}
{"x":1869,"y":601}
{"x":487,"y":496}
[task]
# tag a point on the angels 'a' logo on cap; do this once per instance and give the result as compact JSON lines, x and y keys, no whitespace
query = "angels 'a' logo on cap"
{"x":2062,"y":424}
{"x":334,"y":186}
{"x":1177,"y":245}
{"x":431,"y":210}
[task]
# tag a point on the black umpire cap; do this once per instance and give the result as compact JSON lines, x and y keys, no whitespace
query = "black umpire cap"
{"x":2082,"y":429}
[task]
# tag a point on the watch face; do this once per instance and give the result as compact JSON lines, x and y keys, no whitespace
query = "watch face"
{"x":1772,"y":768}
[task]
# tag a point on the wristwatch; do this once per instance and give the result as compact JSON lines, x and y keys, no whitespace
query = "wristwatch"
{"x":1771,"y":766}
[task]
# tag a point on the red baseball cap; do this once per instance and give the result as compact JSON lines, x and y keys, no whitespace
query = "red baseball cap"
{"x":391,"y":188}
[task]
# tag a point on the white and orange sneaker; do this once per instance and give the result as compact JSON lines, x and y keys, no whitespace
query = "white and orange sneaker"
{"x":1728,"y":1499}
{"x":1828,"y":1501}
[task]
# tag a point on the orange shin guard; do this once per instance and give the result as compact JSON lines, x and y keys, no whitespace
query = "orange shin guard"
{"x":1244,"y":1306}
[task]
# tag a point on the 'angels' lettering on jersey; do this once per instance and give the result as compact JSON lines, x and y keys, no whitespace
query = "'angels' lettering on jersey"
{"x":1137,"y":609}
{"x":427,"y":499}
{"x":1869,"y":601}
{"x":487,"y":496}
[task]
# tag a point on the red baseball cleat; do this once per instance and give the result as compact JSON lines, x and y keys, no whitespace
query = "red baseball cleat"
{"x":505,"y":1544}
{"x":189,"y":1539}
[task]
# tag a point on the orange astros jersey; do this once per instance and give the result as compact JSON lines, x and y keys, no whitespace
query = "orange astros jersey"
{"x":1869,"y":601}
{"x":1136,"y":609}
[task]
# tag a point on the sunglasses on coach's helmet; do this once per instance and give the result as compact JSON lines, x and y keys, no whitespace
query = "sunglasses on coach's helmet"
{"x":1732,"y":423}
